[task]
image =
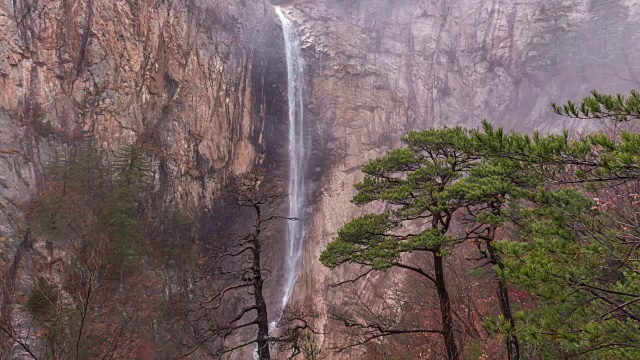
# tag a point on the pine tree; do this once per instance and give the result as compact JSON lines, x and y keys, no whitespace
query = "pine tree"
{"x":489,"y":189}
{"x":584,"y":295}
{"x":576,"y":252}
{"x":439,"y":175}
{"x":573,"y":253}
{"x":131,"y":169}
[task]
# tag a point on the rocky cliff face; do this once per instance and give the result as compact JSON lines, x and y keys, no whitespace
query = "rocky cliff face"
{"x":377,"y":69}
{"x":188,"y":76}
{"x":201,"y":84}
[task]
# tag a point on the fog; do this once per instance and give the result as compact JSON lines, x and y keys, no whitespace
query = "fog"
{"x":464,"y":60}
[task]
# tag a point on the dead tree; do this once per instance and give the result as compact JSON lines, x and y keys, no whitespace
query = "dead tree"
{"x":235,"y":316}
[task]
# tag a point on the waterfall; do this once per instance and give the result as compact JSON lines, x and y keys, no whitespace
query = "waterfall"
{"x":297,"y":155}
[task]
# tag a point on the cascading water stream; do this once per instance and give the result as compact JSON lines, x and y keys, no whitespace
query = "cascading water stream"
{"x":297,"y":155}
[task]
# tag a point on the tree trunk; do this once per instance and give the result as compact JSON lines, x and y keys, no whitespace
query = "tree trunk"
{"x":445,"y":308}
{"x":262,"y":317}
{"x":513,"y":347}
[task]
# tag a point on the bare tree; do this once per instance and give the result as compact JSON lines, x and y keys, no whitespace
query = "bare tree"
{"x":60,"y":310}
{"x":234,"y":317}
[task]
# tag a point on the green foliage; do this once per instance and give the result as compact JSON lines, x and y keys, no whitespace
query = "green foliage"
{"x":474,"y":350}
{"x":414,"y":181}
{"x":310,"y":348}
{"x":87,"y":195}
{"x":598,"y":157}
{"x":131,"y":169}
{"x":439,"y":175}
{"x":575,"y":259}
{"x":563,"y":268}
{"x":603,"y":106}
